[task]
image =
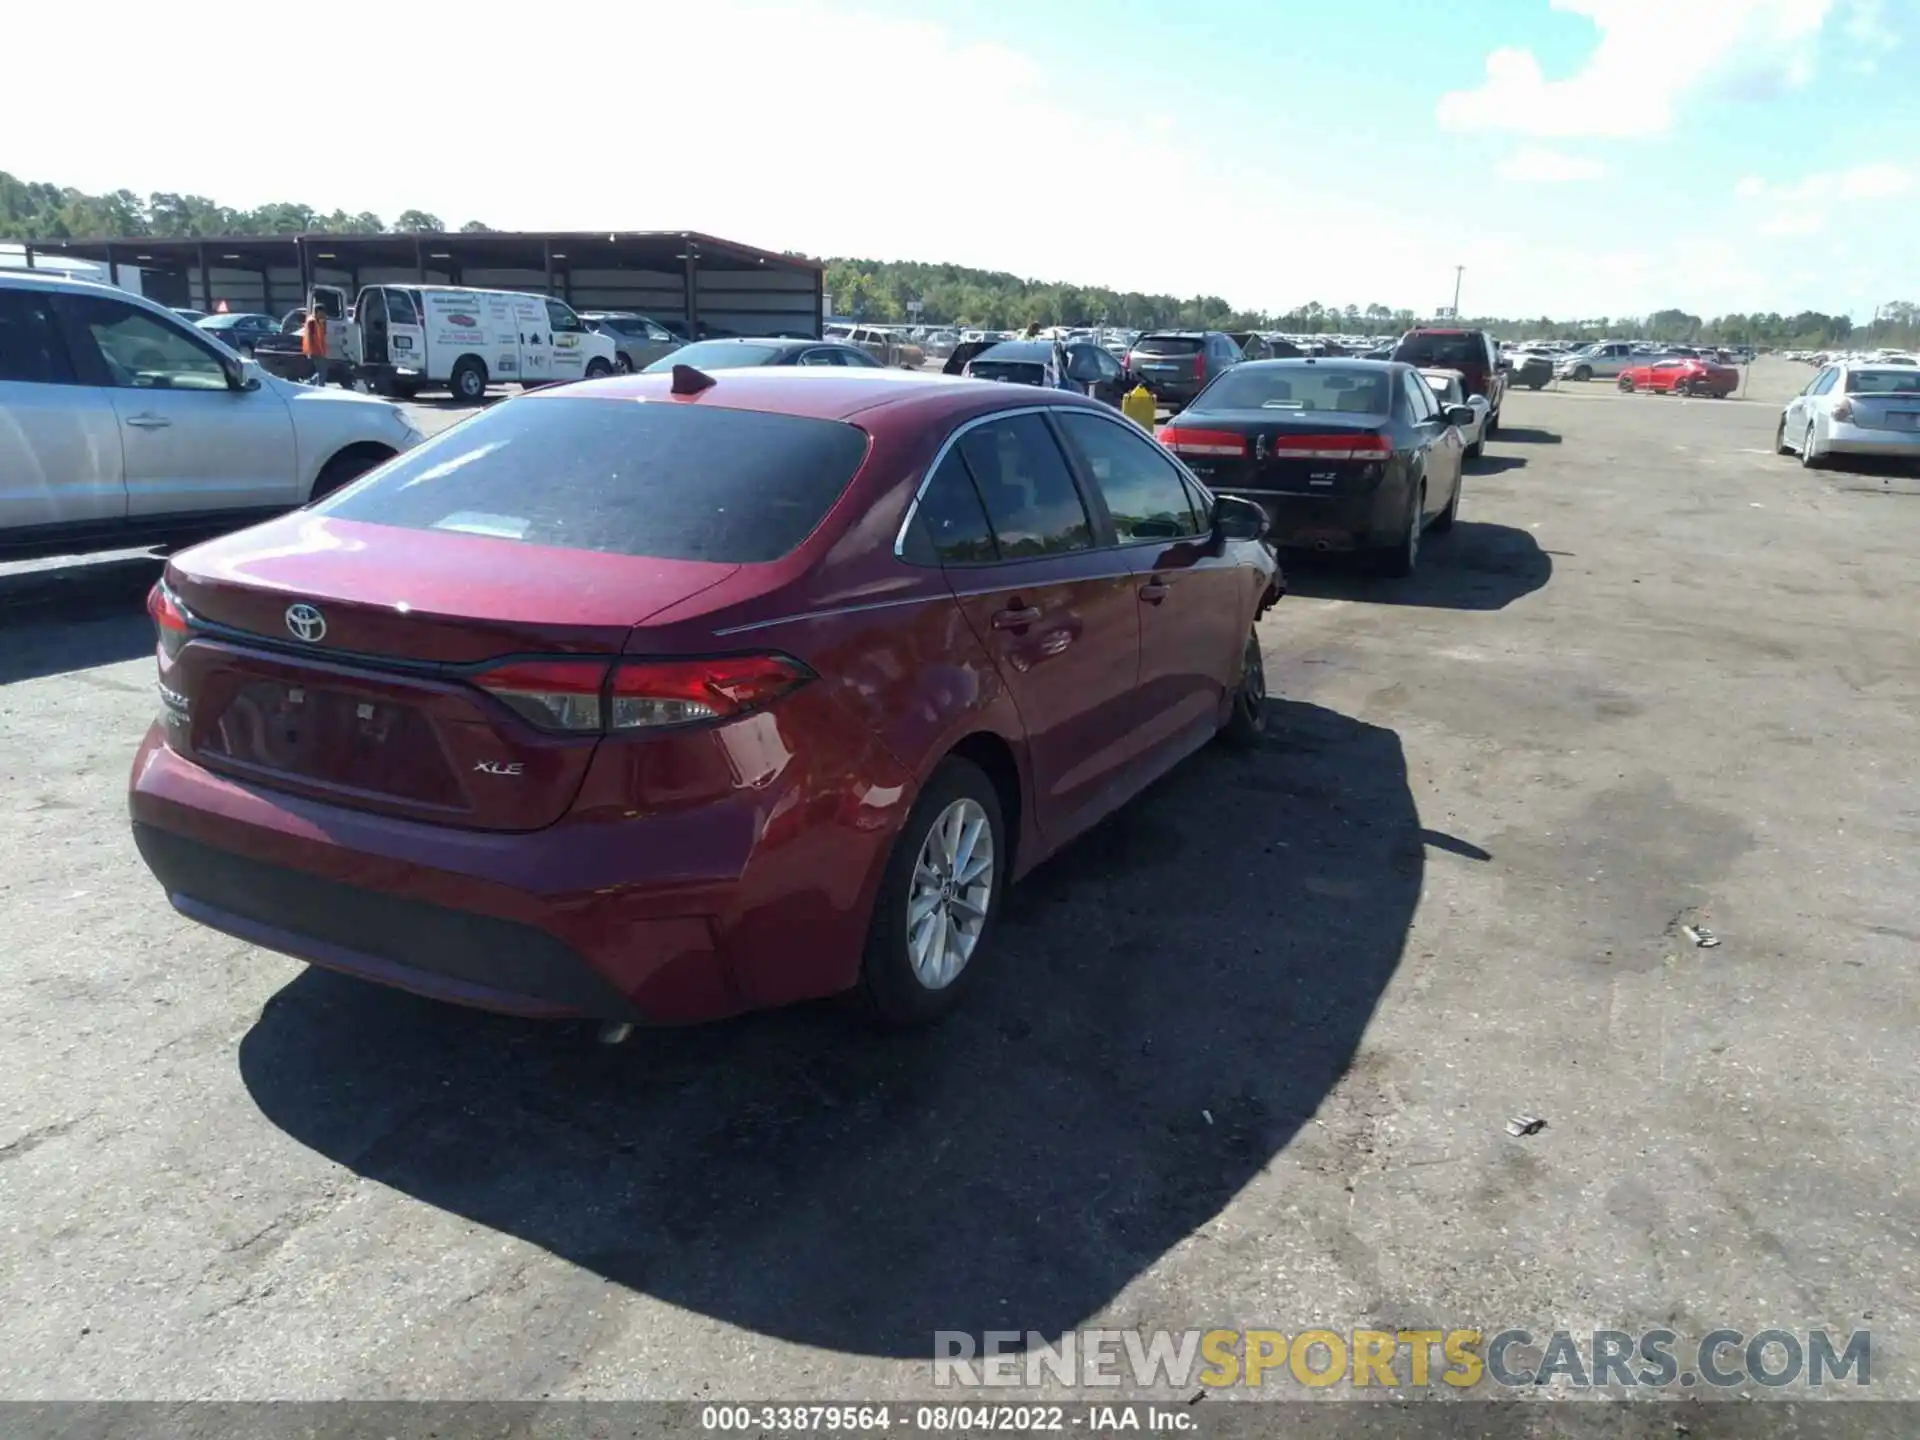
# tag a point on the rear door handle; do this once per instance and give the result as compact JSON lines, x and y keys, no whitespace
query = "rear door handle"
{"x":1015,"y":619}
{"x":1154,"y":591}
{"x":149,"y":422}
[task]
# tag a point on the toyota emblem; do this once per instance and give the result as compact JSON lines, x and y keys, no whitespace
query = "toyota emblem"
{"x":305,"y":622}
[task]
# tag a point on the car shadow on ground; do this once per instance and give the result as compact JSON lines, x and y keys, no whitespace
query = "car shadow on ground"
{"x":1522,"y":435}
{"x":64,"y":618}
{"x":1475,"y":566}
{"x":1495,"y":464}
{"x":1171,"y":1000}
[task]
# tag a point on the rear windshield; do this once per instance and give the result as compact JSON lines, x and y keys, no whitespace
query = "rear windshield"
{"x":667,"y":482}
{"x":1015,"y":372}
{"x":1443,"y":352}
{"x":1903,"y":381}
{"x":1350,"y":390}
{"x":1169,"y":345}
{"x":718,"y":355}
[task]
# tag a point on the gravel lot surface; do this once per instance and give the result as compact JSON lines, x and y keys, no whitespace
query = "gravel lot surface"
{"x":1247,"y":1059}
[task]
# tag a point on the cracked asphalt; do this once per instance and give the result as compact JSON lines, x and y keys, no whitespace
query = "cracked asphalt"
{"x":1246,"y":1060}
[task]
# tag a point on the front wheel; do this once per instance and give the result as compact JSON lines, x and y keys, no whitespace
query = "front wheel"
{"x":1625,"y":383}
{"x":1247,"y":724}
{"x":938,"y":898}
{"x":1780,"y":445}
{"x":1808,"y":459}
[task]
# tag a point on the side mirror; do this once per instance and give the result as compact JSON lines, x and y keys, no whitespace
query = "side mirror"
{"x":1237,"y":519}
{"x":236,"y":373}
{"x":1506,"y":362}
{"x":1462,"y":415}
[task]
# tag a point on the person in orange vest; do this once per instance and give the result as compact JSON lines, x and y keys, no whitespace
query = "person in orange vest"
{"x":313,"y":343}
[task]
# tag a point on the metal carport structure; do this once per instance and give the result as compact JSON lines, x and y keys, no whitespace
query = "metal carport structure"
{"x":711,"y":285}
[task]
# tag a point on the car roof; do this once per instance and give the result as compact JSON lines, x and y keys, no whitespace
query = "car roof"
{"x":827,"y":393}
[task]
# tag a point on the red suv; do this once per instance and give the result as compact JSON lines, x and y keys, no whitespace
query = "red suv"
{"x":664,"y":697}
{"x":1474,"y":353}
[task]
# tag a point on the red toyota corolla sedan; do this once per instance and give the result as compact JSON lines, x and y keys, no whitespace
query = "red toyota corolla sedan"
{"x":662,"y":698}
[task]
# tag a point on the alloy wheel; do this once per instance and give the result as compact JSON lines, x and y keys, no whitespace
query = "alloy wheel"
{"x":1253,"y":682}
{"x":950,"y":893}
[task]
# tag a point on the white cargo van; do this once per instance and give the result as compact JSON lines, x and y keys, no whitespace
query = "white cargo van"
{"x":407,"y":338}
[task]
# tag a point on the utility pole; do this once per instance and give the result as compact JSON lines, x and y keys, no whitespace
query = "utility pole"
{"x":1458,"y":270}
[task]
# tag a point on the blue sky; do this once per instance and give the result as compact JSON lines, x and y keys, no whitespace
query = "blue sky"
{"x":1579,"y":157}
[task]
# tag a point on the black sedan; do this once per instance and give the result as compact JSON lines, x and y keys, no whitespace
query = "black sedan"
{"x":737,"y":354}
{"x":241,"y":332}
{"x":1350,"y":455}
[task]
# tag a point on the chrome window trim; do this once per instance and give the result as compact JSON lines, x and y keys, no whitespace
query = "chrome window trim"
{"x":946,"y":597}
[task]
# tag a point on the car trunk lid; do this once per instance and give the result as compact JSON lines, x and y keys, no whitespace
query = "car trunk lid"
{"x":1254,"y":452}
{"x":387,"y":669}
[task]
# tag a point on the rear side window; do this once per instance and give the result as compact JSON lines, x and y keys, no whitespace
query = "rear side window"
{"x":30,"y":350}
{"x":1023,"y":481}
{"x":667,"y":482}
{"x":1859,"y":382}
{"x":1443,"y":352}
{"x":953,"y":526}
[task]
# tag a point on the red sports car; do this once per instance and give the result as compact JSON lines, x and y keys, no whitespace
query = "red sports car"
{"x":669,"y":696}
{"x":1682,"y":375}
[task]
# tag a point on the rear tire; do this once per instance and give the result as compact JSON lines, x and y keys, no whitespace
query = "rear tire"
{"x":598,"y":369}
{"x":896,"y":991}
{"x":1478,"y":447}
{"x":1583,"y":372}
{"x":1246,"y":726}
{"x":1403,"y":559}
{"x":1443,"y":522}
{"x":622,"y":365}
{"x":1809,"y":460}
{"x":469,"y":380}
{"x":1492,"y":427}
{"x":1780,"y":445}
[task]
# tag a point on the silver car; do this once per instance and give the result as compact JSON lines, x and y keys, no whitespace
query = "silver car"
{"x":122,"y":424}
{"x":1450,"y":388}
{"x":1853,"y":409}
{"x":637,"y":341}
{"x":1602,"y":361}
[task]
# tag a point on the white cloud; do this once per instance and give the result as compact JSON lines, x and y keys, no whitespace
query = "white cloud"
{"x":1537,"y":165}
{"x":1804,"y":206}
{"x":1651,"y":55}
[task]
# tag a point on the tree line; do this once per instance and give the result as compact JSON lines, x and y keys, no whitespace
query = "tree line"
{"x":885,"y":291}
{"x":38,"y":211}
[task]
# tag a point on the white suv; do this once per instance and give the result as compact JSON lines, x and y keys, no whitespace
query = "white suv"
{"x":121,"y":424}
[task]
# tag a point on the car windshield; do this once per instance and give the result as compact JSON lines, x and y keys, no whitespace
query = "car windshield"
{"x":1883,"y":382}
{"x":668,"y":482}
{"x":1256,"y":386}
{"x":1451,"y":352}
{"x":718,"y":355}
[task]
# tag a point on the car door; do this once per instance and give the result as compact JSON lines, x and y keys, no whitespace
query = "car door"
{"x":1798,"y":407}
{"x":1194,"y":605}
{"x":1056,"y":608}
{"x":406,"y":336}
{"x":190,"y":443}
{"x":568,"y":333}
{"x":59,"y":437}
{"x":530,"y":327}
{"x":1440,"y":440}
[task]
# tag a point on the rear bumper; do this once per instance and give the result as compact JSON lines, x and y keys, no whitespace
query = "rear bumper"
{"x":1859,"y":440}
{"x":1330,"y":522}
{"x":664,"y":917}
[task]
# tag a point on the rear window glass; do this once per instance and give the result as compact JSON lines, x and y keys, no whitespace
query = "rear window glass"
{"x":1350,"y":390}
{"x":1170,"y":345}
{"x":1013,"y":371}
{"x":718,"y":355}
{"x":667,"y":482}
{"x":1443,"y":352}
{"x":1884,"y":382}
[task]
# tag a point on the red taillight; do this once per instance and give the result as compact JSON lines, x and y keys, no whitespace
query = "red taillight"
{"x":169,"y":619}
{"x":1200,"y":367}
{"x":580,"y":697}
{"x":1201,"y":442}
{"x":1368,"y":446}
{"x":1129,"y":360}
